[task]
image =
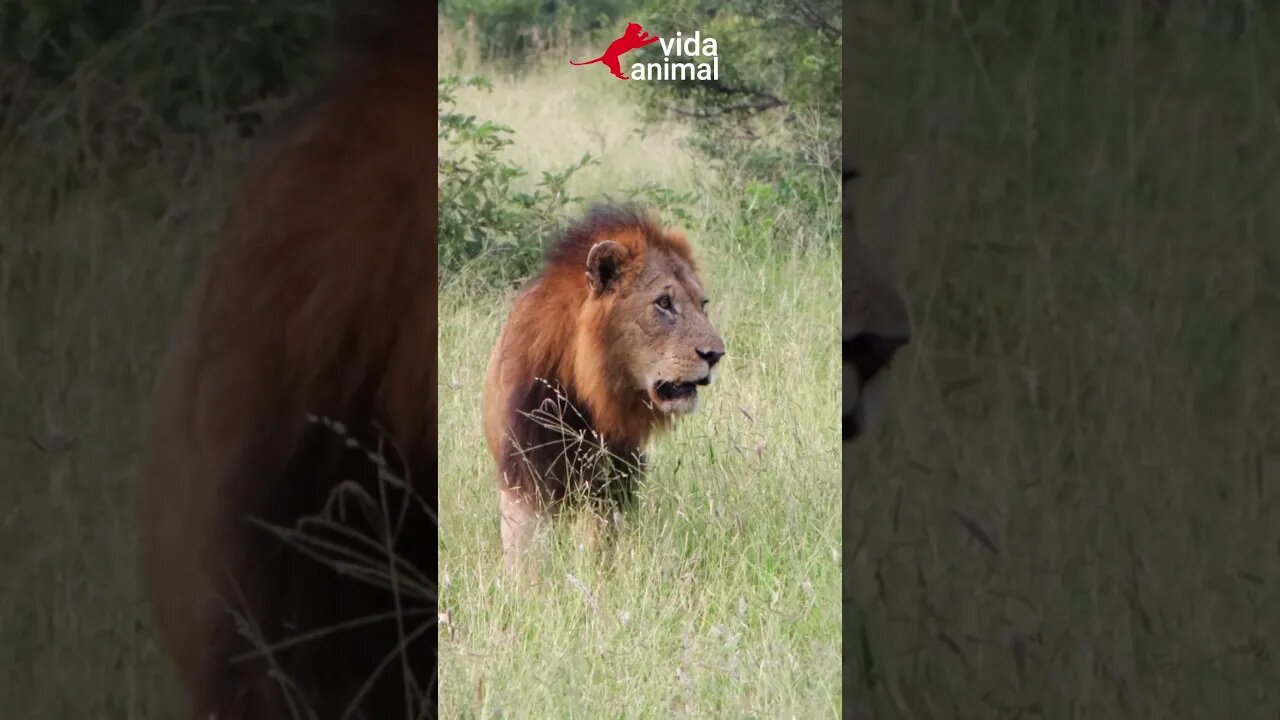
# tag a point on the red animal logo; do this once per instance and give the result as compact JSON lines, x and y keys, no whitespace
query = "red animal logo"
{"x":634,"y":37}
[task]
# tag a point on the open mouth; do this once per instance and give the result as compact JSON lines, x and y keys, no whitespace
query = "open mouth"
{"x":668,"y":391}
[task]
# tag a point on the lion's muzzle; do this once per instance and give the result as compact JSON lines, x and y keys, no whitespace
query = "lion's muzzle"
{"x":680,"y":395}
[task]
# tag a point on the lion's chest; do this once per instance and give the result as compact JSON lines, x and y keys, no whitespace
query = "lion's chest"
{"x":555,"y":450}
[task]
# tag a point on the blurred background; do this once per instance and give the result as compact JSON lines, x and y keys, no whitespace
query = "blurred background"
{"x":1075,"y":509}
{"x":122,"y":129}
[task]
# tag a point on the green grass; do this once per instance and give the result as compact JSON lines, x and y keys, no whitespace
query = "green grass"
{"x":723,"y":601}
{"x":1088,"y":239}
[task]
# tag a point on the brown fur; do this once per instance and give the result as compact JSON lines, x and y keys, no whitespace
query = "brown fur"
{"x":319,"y":298}
{"x":588,"y":337}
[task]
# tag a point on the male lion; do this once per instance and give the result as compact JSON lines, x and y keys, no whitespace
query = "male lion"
{"x":875,"y":323}
{"x":292,"y":448}
{"x":602,"y":349}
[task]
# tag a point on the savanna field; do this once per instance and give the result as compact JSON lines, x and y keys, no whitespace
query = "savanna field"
{"x":1072,"y":509}
{"x":723,"y":599}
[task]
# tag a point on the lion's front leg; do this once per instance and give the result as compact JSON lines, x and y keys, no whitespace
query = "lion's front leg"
{"x":519,"y":521}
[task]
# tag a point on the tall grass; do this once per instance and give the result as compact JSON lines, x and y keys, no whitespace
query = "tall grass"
{"x":722,"y":599}
{"x":1075,"y":510}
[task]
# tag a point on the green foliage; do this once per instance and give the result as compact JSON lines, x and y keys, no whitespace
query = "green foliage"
{"x":772,"y":55}
{"x":486,"y":223}
{"x":800,"y":213}
{"x":491,"y":227}
{"x":772,"y":119}
{"x":184,"y":67}
{"x":511,"y":29}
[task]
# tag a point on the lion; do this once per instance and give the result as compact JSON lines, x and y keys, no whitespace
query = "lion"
{"x":601,"y":350}
{"x":634,"y":37}
{"x":876,"y":324}
{"x":295,"y":412}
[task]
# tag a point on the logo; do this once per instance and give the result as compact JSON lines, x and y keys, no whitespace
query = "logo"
{"x":634,"y":37}
{"x":704,"y":62}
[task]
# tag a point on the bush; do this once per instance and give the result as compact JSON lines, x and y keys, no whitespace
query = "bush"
{"x":486,"y":224}
{"x":490,"y":229}
{"x":177,"y":67}
{"x":773,"y":119}
{"x":515,"y":28}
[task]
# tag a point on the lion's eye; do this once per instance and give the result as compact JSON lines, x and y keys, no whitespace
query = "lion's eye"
{"x":664,"y":302}
{"x":704,"y":304}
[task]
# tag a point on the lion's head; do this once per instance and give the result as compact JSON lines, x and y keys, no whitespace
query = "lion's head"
{"x":875,"y":324}
{"x":646,"y":301}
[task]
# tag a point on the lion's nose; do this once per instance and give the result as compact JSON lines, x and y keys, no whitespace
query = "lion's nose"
{"x":711,"y":356}
{"x":869,"y":353}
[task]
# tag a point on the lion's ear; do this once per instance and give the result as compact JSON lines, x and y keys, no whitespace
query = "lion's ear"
{"x":604,"y":266}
